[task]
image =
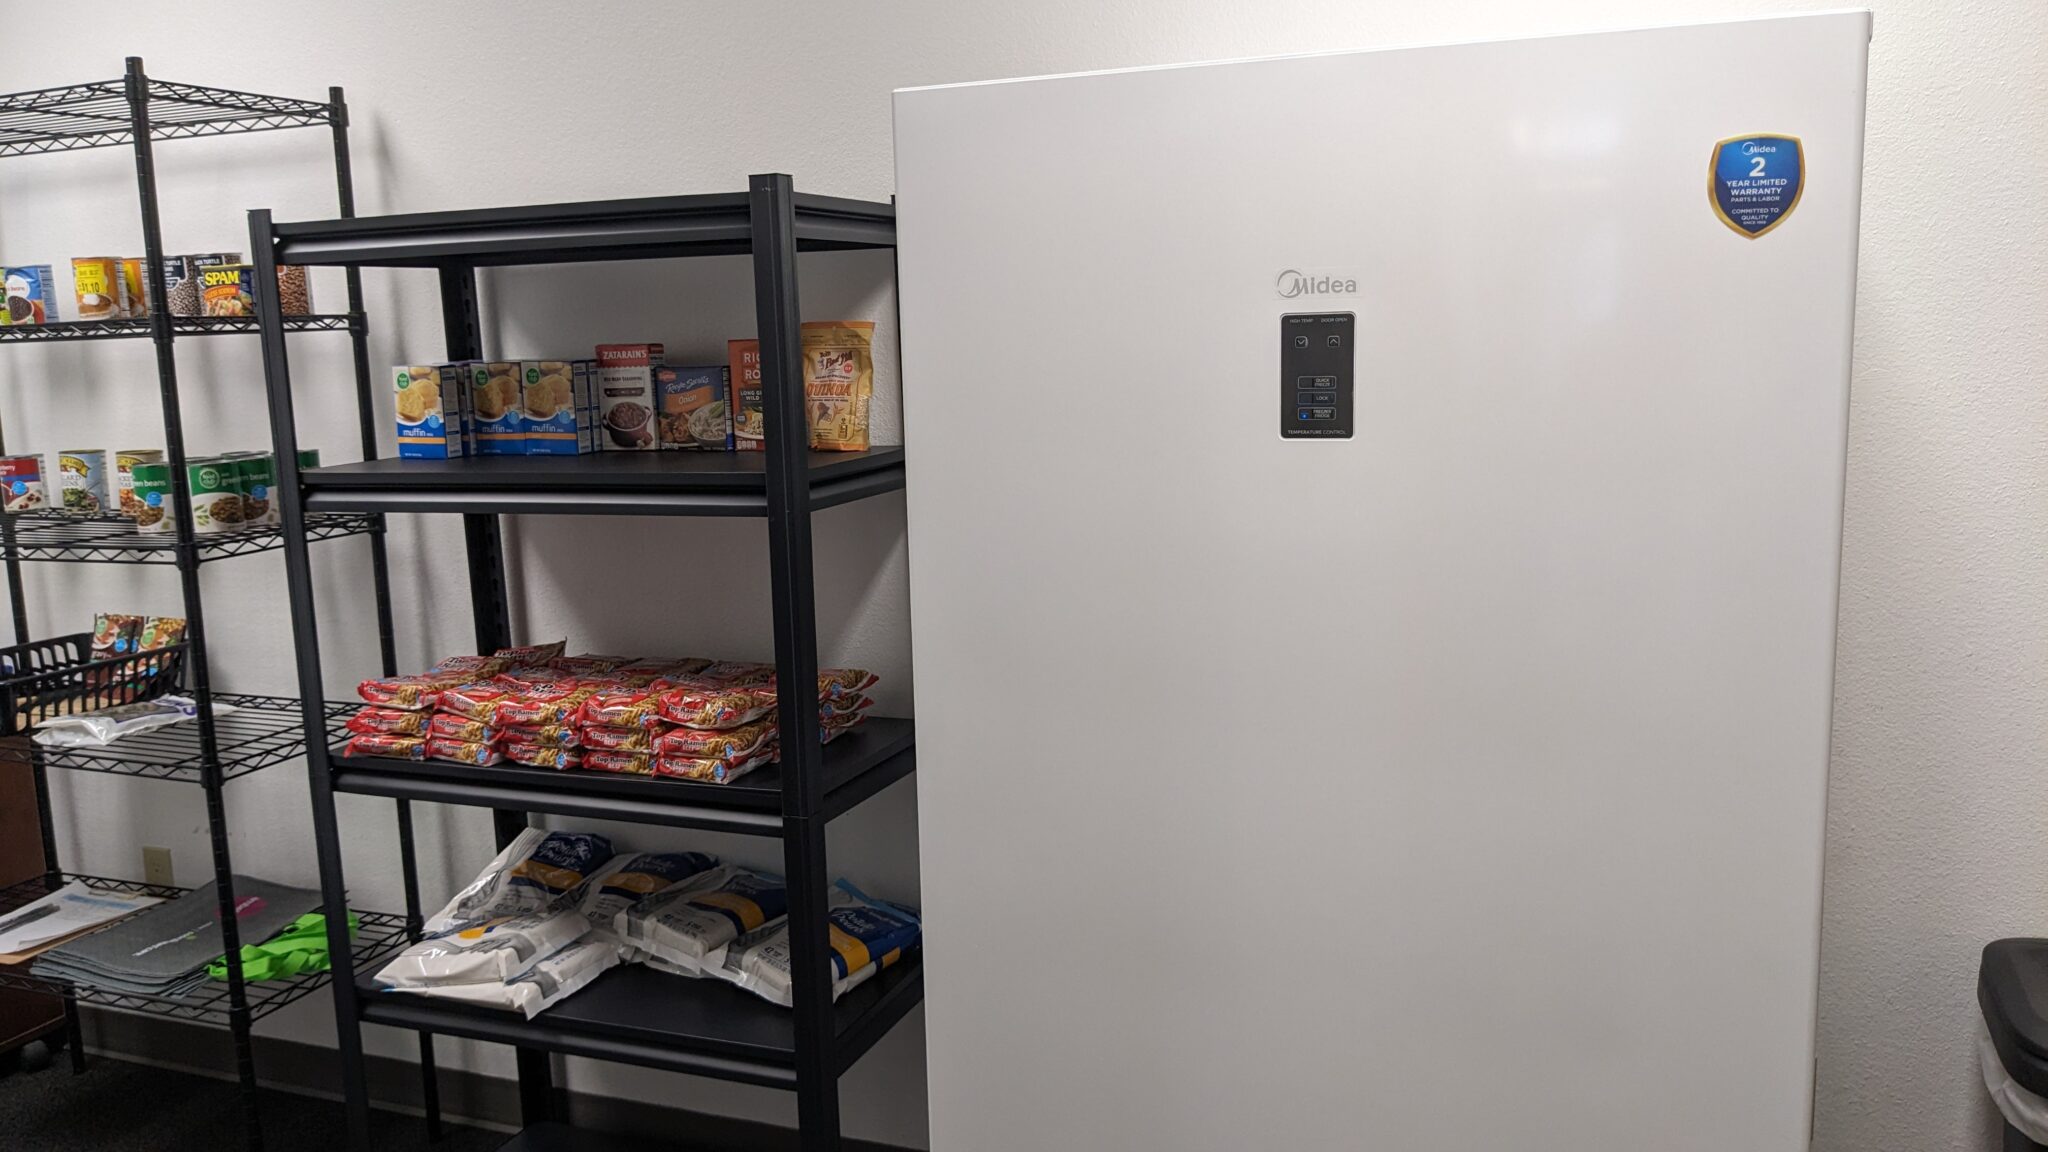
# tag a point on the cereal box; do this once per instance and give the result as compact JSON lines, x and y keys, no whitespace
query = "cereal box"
{"x":625,"y":395}
{"x":558,"y":408}
{"x":748,"y":424}
{"x":497,"y":409}
{"x":429,"y":398}
{"x":29,"y":295}
{"x":693,"y":408}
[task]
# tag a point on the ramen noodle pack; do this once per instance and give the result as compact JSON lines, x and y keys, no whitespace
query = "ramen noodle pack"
{"x":431,"y":406}
{"x":731,"y":744}
{"x":497,"y":408}
{"x":610,"y":739}
{"x":462,"y":752}
{"x":680,"y":926}
{"x":694,"y":412}
{"x":626,"y":403}
{"x":544,"y":735}
{"x":839,"y":380}
{"x":537,"y":755}
{"x":388,"y":745}
{"x":551,"y":980}
{"x":711,"y":770}
{"x":632,"y":877}
{"x":533,"y":874}
{"x":394,"y":721}
{"x":494,"y":949}
{"x":867,"y":935}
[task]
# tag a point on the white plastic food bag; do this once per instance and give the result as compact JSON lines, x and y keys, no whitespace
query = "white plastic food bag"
{"x":543,"y":986}
{"x":536,"y":872}
{"x":868,"y":935}
{"x":110,"y":724}
{"x":494,"y":951}
{"x":632,"y":877}
{"x":679,"y":927}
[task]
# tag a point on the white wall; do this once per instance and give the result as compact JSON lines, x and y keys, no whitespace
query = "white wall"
{"x":1936,"y":840}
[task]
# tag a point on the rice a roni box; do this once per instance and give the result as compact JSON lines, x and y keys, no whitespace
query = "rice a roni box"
{"x":430,"y":411}
{"x":744,"y":403}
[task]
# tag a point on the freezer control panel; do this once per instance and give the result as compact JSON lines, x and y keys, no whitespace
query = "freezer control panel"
{"x":1315,"y":375}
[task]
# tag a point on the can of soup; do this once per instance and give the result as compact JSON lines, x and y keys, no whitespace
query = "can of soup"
{"x":125,"y":460}
{"x":258,"y":483}
{"x":83,"y":474}
{"x":215,"y":485}
{"x":149,"y":481}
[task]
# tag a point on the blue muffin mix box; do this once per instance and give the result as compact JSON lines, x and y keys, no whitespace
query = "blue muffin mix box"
{"x":497,"y":407}
{"x":561,"y":413}
{"x":431,"y":403}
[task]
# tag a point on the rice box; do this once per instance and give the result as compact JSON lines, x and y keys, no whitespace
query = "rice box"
{"x":28,"y":295}
{"x":626,"y":403}
{"x":497,"y":407}
{"x":693,"y":408}
{"x":560,"y":414}
{"x":429,"y":398}
{"x":749,"y":424}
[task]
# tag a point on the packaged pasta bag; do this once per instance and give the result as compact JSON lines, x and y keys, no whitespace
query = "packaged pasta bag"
{"x":551,"y":980}
{"x":713,"y":769}
{"x":535,"y":872}
{"x":627,"y":763}
{"x":626,"y":739}
{"x":624,"y":708}
{"x":462,"y":751}
{"x":396,"y":721}
{"x":678,"y":927}
{"x":540,"y":755}
{"x":448,"y":726}
{"x":549,"y":735}
{"x":867,"y":935}
{"x":632,"y":877}
{"x":730,"y":744}
{"x":495,"y":949}
{"x":387,"y":745}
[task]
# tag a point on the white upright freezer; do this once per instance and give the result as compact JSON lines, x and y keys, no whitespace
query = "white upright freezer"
{"x":1374,"y":524}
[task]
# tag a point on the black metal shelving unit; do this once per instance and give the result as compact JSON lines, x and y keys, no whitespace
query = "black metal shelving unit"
{"x":137,"y":111}
{"x":631,"y":1014}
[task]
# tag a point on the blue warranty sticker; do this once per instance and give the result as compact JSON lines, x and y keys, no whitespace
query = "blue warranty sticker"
{"x":1755,"y":181}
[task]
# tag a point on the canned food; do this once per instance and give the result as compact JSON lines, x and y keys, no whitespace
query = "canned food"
{"x":215,"y":485}
{"x":258,"y":472}
{"x":309,"y":458}
{"x":83,"y":473}
{"x":125,"y":461}
{"x":135,"y":287}
{"x":149,"y":481}
{"x":96,"y":282}
{"x":21,"y":484}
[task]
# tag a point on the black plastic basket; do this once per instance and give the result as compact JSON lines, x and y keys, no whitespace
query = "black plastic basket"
{"x":59,"y":677}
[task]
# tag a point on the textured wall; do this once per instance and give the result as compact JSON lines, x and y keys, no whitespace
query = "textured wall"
{"x":1935,"y":838}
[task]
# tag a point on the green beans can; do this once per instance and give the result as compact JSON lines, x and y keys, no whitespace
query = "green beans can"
{"x":150,"y":482}
{"x":216,"y":486}
{"x":258,"y":474}
{"x":309,"y":458}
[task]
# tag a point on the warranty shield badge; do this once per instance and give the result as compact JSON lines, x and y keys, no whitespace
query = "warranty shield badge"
{"x":1755,"y":181}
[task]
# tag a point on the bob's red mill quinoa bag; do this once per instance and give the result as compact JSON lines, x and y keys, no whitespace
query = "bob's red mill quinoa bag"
{"x":839,"y":380}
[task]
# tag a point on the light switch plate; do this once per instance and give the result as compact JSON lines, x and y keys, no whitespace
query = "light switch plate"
{"x":156,"y":866}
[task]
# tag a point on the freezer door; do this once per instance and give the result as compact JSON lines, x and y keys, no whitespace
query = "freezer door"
{"x":1452,"y":780}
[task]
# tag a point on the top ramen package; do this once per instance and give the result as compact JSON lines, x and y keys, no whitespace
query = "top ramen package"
{"x":839,"y":379}
{"x":535,"y":872}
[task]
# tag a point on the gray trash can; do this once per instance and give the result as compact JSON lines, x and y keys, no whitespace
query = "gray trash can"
{"x":2012,"y":986}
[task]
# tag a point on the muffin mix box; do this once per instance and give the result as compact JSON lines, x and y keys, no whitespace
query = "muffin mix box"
{"x":497,"y":407}
{"x":626,"y":403}
{"x":431,"y":405}
{"x":561,"y":417}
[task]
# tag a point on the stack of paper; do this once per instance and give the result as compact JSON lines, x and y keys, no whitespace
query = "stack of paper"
{"x":72,"y":910}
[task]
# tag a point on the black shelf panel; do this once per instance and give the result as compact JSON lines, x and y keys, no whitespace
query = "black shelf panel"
{"x":54,"y":536}
{"x":263,"y":731}
{"x":602,"y":483}
{"x":549,"y":1136}
{"x":377,"y":936}
{"x":857,"y":765}
{"x":636,"y":1015}
{"x":180,"y":325}
{"x":655,"y":227}
{"x":95,"y":115}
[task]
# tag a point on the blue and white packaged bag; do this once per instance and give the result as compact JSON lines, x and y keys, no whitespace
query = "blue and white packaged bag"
{"x":539,"y":871}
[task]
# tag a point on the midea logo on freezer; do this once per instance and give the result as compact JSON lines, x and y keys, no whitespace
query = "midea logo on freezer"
{"x":1294,"y":283}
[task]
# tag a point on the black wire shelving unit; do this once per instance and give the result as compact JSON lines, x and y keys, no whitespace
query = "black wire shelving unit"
{"x":631,"y":1014}
{"x":137,"y":111}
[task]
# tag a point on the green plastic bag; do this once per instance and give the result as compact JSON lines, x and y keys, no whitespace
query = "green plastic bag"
{"x":299,"y":949}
